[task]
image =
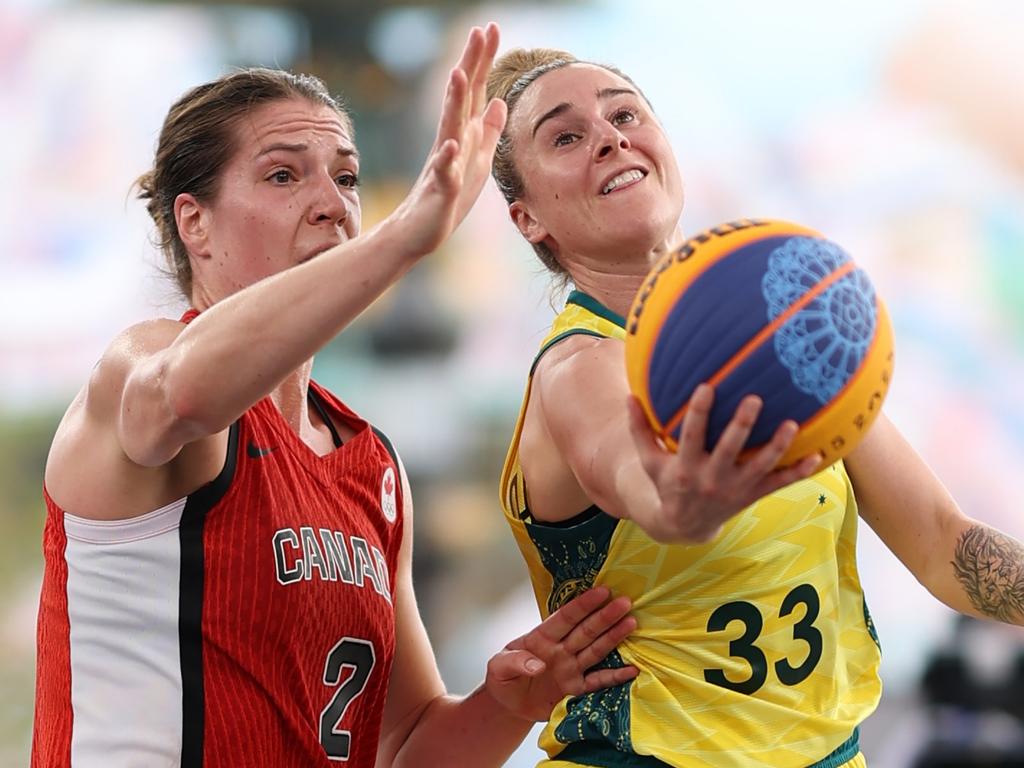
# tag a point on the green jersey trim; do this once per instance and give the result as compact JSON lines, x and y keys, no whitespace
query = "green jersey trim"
{"x":844,"y":753}
{"x":603,"y":755}
{"x":593,"y":305}
{"x":592,"y":753}
{"x":558,"y":338}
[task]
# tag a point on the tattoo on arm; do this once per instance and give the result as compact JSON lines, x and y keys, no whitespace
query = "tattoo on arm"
{"x":990,"y":567}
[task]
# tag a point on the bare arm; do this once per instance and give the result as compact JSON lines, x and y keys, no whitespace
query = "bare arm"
{"x":423,"y":725}
{"x":966,"y":564}
{"x":181,"y":393}
{"x":582,"y":397}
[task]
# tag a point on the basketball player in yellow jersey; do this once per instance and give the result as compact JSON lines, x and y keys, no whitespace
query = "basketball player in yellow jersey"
{"x":754,"y":645}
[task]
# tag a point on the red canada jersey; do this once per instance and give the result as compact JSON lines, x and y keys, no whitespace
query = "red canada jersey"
{"x":249,"y":623}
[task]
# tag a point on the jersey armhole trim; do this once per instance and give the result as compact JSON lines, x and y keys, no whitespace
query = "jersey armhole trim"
{"x":578,"y":519}
{"x":158,"y":521}
{"x":147,"y":526}
{"x":558,"y":338}
{"x":207,"y":496}
{"x":387,"y":444}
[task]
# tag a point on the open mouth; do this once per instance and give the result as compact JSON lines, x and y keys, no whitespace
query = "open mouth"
{"x":624,"y":179}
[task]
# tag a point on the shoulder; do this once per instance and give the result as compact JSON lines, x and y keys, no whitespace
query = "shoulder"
{"x":85,"y":446}
{"x":124,"y":352}
{"x":141,"y":340}
{"x":580,"y":360}
{"x":101,"y":395}
{"x":136,"y":343}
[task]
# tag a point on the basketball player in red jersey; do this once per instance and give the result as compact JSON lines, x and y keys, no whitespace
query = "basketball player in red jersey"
{"x":227,"y":546}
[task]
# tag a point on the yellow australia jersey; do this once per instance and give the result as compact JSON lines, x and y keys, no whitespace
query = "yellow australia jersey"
{"x":754,"y":649}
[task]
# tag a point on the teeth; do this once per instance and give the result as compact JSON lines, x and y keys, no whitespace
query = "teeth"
{"x":622,"y":178}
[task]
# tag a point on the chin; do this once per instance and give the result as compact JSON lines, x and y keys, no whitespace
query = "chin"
{"x":644,"y":235}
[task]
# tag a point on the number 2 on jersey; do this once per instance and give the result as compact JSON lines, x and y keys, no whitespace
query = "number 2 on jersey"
{"x":744,"y":646}
{"x":359,"y":657}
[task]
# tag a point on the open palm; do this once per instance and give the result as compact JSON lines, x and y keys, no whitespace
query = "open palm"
{"x":460,"y":159}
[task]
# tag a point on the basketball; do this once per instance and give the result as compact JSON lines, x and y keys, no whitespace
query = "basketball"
{"x":768,"y":308}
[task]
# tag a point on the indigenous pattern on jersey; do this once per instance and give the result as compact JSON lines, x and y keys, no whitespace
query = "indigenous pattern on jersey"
{"x":249,"y":623}
{"x":754,"y":649}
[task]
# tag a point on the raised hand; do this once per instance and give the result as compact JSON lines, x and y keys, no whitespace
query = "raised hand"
{"x":534,"y":672}
{"x":701,"y":490}
{"x":460,"y":159}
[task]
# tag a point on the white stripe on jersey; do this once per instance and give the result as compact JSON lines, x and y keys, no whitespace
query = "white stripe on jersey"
{"x":123,"y":587}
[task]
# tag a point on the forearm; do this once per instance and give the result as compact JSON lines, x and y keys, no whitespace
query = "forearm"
{"x":633,"y":496}
{"x":981,"y":573}
{"x":473,"y":731}
{"x":264,"y":332}
{"x":966,"y":564}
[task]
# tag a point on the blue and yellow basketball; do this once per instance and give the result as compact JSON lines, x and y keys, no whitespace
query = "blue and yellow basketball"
{"x":768,"y":308}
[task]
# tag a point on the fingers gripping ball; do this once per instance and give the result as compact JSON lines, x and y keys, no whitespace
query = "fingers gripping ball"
{"x":768,"y":308}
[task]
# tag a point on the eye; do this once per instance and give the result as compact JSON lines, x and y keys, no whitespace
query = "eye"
{"x":564,"y":138}
{"x":281,"y":176}
{"x":347,"y":180}
{"x":624,"y":115}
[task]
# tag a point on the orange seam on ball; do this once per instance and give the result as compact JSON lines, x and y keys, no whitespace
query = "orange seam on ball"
{"x":763,"y":334}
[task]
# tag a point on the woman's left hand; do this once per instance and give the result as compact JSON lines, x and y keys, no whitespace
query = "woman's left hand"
{"x":534,"y":672}
{"x":460,"y":160}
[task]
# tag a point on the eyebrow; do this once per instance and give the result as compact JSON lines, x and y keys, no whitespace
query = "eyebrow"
{"x":302,"y":147}
{"x":602,"y":93}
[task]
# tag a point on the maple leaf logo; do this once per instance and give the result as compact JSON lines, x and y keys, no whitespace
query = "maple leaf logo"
{"x":388,"y":503}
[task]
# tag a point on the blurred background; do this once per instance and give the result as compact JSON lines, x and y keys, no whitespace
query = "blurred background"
{"x":896,"y":127}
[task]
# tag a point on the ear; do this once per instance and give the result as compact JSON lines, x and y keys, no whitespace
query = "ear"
{"x":528,"y":226}
{"x":193,"y":220}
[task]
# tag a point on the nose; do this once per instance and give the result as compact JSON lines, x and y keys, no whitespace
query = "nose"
{"x":329,"y":205}
{"x":609,"y":141}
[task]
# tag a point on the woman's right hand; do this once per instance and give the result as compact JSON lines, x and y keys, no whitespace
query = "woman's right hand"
{"x":701,"y":490}
{"x":460,"y":159}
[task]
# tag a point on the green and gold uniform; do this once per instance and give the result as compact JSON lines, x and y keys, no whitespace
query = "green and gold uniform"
{"x":754,"y":649}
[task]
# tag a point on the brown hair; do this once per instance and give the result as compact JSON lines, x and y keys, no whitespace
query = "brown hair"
{"x":198,"y":139}
{"x":510,"y":76}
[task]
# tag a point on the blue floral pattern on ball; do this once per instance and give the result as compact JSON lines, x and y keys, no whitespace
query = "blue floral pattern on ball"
{"x":824,"y":343}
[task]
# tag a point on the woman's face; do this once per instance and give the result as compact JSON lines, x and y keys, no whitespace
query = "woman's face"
{"x":288,"y":193}
{"x":599,"y":175}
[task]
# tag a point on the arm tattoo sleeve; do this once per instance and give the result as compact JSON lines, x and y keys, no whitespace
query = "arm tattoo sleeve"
{"x":990,"y":567}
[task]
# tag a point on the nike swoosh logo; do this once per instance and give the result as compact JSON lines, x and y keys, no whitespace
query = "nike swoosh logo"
{"x":255,"y":452}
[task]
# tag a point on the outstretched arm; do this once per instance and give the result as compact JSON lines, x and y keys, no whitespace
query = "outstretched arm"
{"x":970,"y":566}
{"x":423,"y":725}
{"x":581,"y":390}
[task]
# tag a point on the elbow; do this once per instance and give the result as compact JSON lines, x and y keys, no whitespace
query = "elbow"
{"x":941,"y":566}
{"x":399,"y":745}
{"x":159,"y":414}
{"x":184,"y":408}
{"x":185,"y":400}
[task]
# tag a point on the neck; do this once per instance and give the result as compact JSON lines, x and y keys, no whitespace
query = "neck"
{"x":290,"y":396}
{"x":614,"y":291}
{"x":615,"y":283}
{"x":201,"y":298}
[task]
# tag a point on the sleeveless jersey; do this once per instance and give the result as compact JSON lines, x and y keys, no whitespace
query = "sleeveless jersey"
{"x":753,"y":649}
{"x":249,"y":623}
